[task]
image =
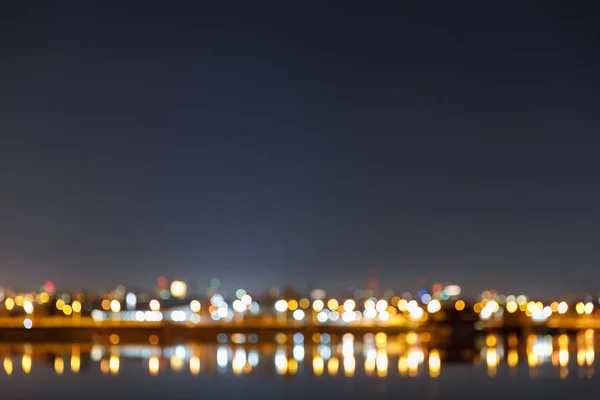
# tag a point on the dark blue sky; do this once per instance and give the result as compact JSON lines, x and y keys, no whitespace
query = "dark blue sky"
{"x":270,"y":143}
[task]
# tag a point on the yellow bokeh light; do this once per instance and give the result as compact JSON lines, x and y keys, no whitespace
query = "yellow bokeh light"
{"x":153,"y":365}
{"x":59,"y":365}
{"x":9,"y":304}
{"x":512,"y":306}
{"x":67,"y":309}
{"x":304,"y":303}
{"x":402,"y":305}
{"x":19,"y":300}
{"x":292,"y":305}
{"x":459,"y":305}
{"x":105,"y":304}
{"x":60,"y":304}
{"x":26,"y":363}
{"x":76,"y":306}
{"x":332,"y":304}
{"x":44,"y":297}
{"x":580,"y":307}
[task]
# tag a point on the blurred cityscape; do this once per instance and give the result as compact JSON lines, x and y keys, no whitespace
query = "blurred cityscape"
{"x":171,"y":306}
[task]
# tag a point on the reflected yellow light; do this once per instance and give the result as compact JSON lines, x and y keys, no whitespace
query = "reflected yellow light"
{"x":318,"y":365}
{"x":581,"y":357}
{"x":459,"y":305}
{"x":281,"y":364}
{"x":349,"y":366}
{"x":402,"y":365}
{"x":491,"y":359}
{"x":292,"y":366}
{"x":563,"y":357}
{"x":26,"y":363}
{"x":194,"y":365}
{"x":381,"y":339}
{"x":332,"y":304}
{"x":435,"y":363}
{"x":491,"y":340}
{"x":153,"y":340}
{"x":513,"y":340}
{"x":589,"y":334}
{"x":114,"y":364}
{"x":411,"y":338}
{"x":512,"y":358}
{"x":75,"y":359}
{"x":8,"y":365}
{"x":532,"y":358}
{"x":564,"y":373}
{"x":104,"y":366}
{"x":176,"y":363}
{"x":114,"y":338}
{"x":237,"y":364}
{"x":415,"y":357}
{"x":369,"y":366}
{"x":382,"y":363}
{"x":590,"y":354}
{"x":563,"y":341}
{"x":153,"y":365}
{"x":333,"y":366}
{"x":59,"y":365}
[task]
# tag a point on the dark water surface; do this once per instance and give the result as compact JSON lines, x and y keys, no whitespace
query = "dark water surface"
{"x":406,"y":367}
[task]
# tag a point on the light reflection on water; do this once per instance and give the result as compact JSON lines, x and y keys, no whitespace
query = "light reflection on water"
{"x":377,"y":356}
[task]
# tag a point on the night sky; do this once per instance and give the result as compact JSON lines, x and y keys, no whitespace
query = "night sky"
{"x":267,"y":143}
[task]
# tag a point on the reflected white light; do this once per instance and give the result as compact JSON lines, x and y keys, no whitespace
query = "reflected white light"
{"x":222,"y":357}
{"x":298,"y":353}
{"x":324,"y":351}
{"x":253,"y":358}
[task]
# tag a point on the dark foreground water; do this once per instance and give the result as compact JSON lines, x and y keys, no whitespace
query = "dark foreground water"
{"x":406,"y":367}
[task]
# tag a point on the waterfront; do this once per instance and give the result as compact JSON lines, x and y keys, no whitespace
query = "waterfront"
{"x":387,"y":366}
